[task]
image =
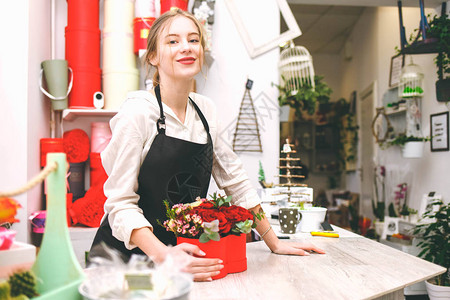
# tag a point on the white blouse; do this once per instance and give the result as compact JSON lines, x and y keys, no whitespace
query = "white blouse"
{"x":133,"y":131}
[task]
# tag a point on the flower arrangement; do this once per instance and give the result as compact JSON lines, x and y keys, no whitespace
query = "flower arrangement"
{"x":208,"y":219}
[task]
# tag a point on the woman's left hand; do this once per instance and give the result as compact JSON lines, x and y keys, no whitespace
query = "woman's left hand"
{"x":296,"y":248}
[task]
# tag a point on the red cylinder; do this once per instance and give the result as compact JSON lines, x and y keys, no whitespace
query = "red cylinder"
{"x":97,"y":174}
{"x":141,"y":28}
{"x":86,"y":82}
{"x":82,"y":47}
{"x":83,"y":13}
{"x":167,"y":5}
{"x":50,"y":145}
{"x":213,"y":249}
{"x":237,"y":253}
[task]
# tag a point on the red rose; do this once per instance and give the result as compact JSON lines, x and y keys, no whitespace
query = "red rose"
{"x":235,"y":214}
{"x":209,"y":215}
{"x":206,"y":204}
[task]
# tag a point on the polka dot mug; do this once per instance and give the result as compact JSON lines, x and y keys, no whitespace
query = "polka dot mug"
{"x":288,"y":218}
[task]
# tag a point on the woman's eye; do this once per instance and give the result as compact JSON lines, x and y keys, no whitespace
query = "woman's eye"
{"x":194,"y":41}
{"x":172,"y":42}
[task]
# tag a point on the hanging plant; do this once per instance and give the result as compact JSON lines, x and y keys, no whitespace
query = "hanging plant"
{"x":305,"y":98}
{"x":440,"y":29}
{"x":402,"y":139}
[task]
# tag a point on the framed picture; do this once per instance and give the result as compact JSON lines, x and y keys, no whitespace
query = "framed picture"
{"x":256,"y":50}
{"x":390,"y":226}
{"x":439,"y":131}
{"x":397,"y":63}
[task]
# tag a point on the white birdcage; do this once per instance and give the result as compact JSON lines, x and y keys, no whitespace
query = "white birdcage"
{"x":296,"y":68}
{"x":411,"y":81}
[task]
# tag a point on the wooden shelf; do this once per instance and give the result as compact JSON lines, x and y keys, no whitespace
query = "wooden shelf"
{"x":422,"y":47}
{"x":72,"y":114}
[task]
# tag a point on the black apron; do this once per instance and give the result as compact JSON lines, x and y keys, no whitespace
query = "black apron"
{"x":174,"y":169}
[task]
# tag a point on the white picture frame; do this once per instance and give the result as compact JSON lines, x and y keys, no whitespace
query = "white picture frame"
{"x":256,"y":50}
{"x":390,"y":227}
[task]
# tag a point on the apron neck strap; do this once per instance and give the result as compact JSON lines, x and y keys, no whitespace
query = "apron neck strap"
{"x":202,"y":117}
{"x":161,"y":123}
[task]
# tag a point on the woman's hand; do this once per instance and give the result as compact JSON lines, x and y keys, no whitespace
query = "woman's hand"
{"x":202,"y":268}
{"x":295,"y":248}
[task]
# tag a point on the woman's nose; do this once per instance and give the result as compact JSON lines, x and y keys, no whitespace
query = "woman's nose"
{"x":185,"y":46}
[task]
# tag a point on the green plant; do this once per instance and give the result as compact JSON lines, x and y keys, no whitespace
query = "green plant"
{"x":402,"y":139}
{"x":261,"y":174}
{"x":435,"y":234}
{"x":378,"y":210}
{"x":345,"y":120}
{"x":23,"y":283}
{"x":391,"y":211}
{"x":439,"y":28}
{"x":305,"y":98}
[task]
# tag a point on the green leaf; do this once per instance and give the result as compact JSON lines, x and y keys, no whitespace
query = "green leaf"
{"x":245,"y":227}
{"x":204,"y":238}
{"x":214,"y":236}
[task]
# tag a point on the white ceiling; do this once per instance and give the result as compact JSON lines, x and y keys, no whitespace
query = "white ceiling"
{"x":326,"y":24}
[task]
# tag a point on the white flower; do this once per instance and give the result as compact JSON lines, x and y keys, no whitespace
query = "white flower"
{"x":212,"y":226}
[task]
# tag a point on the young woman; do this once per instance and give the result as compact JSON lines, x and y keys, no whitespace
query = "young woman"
{"x":165,"y":146}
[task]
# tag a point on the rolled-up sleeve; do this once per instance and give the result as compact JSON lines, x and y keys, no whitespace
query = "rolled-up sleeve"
{"x":122,"y":160}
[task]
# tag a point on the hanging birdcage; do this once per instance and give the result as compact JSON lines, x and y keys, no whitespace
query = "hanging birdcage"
{"x":411,"y":81}
{"x":296,"y":68}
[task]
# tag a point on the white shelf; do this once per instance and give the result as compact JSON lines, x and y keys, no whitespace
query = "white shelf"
{"x":72,"y":114}
{"x":391,"y":112}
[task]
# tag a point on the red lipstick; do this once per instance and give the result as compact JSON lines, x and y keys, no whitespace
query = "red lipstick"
{"x":186,"y":60}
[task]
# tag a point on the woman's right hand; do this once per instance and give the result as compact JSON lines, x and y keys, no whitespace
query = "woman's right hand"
{"x":203,"y":269}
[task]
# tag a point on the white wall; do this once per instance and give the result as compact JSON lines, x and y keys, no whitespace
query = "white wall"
{"x":328,"y":65}
{"x":374,"y":38}
{"x":227,"y":75}
{"x":24,"y":109}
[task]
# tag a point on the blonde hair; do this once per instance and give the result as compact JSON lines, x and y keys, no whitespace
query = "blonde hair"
{"x":155,"y":31}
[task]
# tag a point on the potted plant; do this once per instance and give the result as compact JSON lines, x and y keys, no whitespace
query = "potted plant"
{"x":434,"y":232}
{"x":439,"y":28}
{"x":216,"y":226}
{"x":412,"y":146}
{"x":305,"y":99}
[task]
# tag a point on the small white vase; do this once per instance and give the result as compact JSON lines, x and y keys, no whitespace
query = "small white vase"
{"x":311,"y":219}
{"x":437,"y":292}
{"x":379,"y":226}
{"x":413,"y":149}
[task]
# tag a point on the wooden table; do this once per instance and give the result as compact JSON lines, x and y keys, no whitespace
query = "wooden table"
{"x":354,"y":267}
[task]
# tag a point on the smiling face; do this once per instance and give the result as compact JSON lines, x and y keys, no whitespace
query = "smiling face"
{"x":179,"y":54}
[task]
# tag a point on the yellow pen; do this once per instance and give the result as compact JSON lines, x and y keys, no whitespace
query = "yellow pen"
{"x":325,"y":233}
